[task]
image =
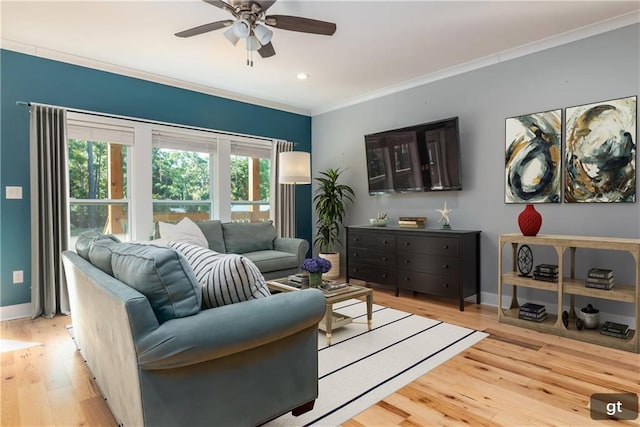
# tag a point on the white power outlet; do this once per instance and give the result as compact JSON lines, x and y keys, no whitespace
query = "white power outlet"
{"x":18,"y":277}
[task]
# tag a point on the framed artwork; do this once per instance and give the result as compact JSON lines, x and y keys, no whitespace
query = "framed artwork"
{"x":600,"y":152}
{"x":533,"y":157}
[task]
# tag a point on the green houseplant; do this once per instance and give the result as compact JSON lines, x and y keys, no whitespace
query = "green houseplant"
{"x":329,"y":201}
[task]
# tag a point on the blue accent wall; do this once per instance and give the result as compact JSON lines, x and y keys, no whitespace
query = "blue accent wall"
{"x":32,"y":79}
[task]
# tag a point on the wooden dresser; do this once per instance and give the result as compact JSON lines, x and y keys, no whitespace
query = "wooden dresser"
{"x":435,"y":262}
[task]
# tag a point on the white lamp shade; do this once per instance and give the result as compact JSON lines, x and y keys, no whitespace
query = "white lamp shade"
{"x":263,"y":34}
{"x":294,"y":167}
{"x":241,"y":28}
{"x":231,"y":36}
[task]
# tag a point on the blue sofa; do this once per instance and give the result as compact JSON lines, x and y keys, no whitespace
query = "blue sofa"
{"x":174,"y":364}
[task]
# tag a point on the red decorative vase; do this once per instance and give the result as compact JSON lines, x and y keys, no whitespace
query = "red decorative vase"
{"x":529,"y":221}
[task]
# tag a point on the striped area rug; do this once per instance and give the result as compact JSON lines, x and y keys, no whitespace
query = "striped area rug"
{"x":362,"y":367}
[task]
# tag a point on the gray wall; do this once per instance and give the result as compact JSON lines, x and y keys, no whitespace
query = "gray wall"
{"x":595,"y":69}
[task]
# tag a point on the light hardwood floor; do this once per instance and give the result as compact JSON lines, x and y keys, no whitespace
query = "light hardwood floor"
{"x":515,"y":377}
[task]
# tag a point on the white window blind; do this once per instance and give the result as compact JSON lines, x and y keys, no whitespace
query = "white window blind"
{"x":200,"y":142}
{"x":256,"y":149}
{"x":100,"y":132}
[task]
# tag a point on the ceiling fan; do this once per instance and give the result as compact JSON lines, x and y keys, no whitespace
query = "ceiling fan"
{"x":251,"y":23}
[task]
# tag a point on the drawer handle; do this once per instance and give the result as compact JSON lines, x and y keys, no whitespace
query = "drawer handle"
{"x":384,"y":275}
{"x":406,"y":261}
{"x":445,"y":247}
{"x":407,"y":244}
{"x":355,"y":239}
{"x":384,"y":258}
{"x":407,"y":279}
{"x":355,"y":255}
{"x":385,"y":242}
{"x":445,"y":266}
{"x":446,"y":285}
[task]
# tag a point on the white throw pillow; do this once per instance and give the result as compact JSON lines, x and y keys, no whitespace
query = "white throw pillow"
{"x":185,"y":231}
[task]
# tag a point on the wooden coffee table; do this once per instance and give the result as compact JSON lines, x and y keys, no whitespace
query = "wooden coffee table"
{"x":331,"y":319}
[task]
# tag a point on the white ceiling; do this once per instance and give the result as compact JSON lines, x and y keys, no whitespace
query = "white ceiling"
{"x":379,"y":46}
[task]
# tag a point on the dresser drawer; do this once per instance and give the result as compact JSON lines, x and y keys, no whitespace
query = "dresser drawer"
{"x":445,"y":286}
{"x":385,"y":242}
{"x":372,"y":257}
{"x":384,"y":276}
{"x":442,"y":265}
{"x":432,"y":246}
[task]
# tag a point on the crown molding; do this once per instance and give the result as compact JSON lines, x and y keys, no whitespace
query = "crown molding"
{"x":506,"y":55}
{"x":55,"y":55}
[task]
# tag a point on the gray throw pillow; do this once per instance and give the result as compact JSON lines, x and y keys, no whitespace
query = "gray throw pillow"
{"x":84,"y":240}
{"x":162,"y":275}
{"x":240,"y":238}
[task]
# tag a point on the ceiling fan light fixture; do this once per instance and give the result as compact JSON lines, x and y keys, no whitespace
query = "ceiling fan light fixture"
{"x":263,"y":34}
{"x":253,"y":43}
{"x":231,"y":36}
{"x":241,"y":28}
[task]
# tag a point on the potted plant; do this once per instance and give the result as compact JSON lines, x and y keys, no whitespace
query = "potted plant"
{"x":329,"y":202}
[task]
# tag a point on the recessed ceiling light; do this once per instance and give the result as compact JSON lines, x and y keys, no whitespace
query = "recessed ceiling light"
{"x":302,"y":76}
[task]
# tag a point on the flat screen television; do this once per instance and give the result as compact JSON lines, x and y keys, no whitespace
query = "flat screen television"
{"x":423,"y":157}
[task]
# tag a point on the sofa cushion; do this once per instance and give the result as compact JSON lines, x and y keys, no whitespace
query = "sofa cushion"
{"x":100,"y":254}
{"x":268,"y":261}
{"x":241,"y":237}
{"x":184,"y":231}
{"x":84,"y":240}
{"x":212,"y":231}
{"x":233,"y":278}
{"x":200,"y":259}
{"x":162,"y":275}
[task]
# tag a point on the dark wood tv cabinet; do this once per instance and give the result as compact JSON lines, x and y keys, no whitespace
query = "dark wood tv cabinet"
{"x":435,"y":262}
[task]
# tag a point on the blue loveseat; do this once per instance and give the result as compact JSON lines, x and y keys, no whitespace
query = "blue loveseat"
{"x":161,"y":360}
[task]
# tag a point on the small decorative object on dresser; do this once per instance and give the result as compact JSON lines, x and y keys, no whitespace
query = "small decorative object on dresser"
{"x":315,"y":267}
{"x":444,"y":217}
{"x":529,"y":220}
{"x":381,"y":220}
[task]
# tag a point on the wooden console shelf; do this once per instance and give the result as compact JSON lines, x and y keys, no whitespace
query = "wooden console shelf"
{"x":572,"y":286}
{"x":436,"y":262}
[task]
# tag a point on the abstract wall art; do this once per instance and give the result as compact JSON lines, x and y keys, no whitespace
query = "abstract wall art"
{"x":533,"y":158}
{"x":600,"y":152}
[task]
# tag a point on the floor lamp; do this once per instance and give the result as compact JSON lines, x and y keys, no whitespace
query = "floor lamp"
{"x":294,"y":167}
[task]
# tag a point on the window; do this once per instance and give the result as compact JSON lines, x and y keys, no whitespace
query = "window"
{"x":126,"y":175}
{"x":98,"y":180}
{"x":250,"y":172}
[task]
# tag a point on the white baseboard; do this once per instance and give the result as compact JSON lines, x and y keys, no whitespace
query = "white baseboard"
{"x":17,"y":311}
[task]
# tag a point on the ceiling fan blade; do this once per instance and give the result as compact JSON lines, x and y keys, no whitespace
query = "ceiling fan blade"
{"x":221,"y":5}
{"x":265,"y":4}
{"x":205,"y":28}
{"x":267,"y":50}
{"x":303,"y":25}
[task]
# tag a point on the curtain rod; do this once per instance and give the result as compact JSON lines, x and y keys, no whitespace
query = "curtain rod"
{"x":153,"y":122}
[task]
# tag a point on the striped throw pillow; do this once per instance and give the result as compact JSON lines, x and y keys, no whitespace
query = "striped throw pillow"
{"x":232,"y":279}
{"x":200,"y":259}
{"x":225,"y":279}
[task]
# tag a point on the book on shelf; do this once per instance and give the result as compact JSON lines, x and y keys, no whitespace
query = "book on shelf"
{"x":532,"y":308}
{"x":547,"y":268}
{"x":535,"y":316}
{"x":413,"y":218}
{"x":600,"y":273}
{"x":619,"y":328}
{"x":596,"y":285}
{"x":419,"y":225}
{"x":608,"y":281}
{"x":538,"y":319}
{"x":615,"y":334}
{"x":545,"y":277}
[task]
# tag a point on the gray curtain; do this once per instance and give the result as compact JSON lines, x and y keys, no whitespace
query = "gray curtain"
{"x":285,"y":196}
{"x":49,"y":232}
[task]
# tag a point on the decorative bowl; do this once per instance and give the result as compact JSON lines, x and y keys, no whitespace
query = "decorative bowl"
{"x":590,"y":316}
{"x":379,"y":222}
